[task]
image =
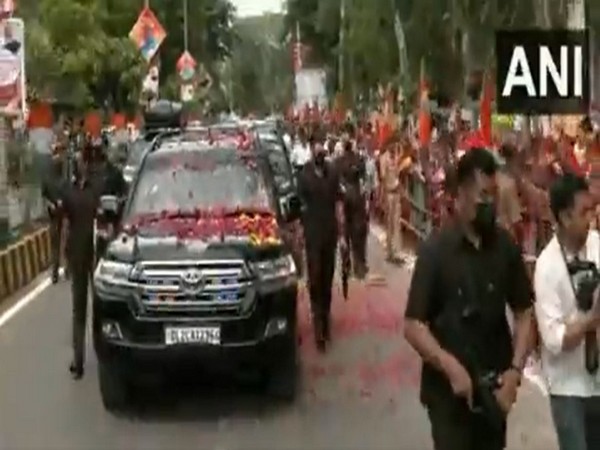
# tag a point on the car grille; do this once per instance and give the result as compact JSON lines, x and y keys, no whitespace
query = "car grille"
{"x":224,"y":289}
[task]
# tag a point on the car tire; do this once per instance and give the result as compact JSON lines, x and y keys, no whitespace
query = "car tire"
{"x":281,"y":378}
{"x":115,"y":388}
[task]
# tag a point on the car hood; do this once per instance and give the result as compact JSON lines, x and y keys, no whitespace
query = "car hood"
{"x":132,"y":248}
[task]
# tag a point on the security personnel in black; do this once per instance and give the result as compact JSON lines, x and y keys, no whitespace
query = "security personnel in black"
{"x":352,"y":170}
{"x":110,"y":181}
{"x":51,"y":185}
{"x":465,"y":277}
{"x":80,"y":201}
{"x":320,"y":191}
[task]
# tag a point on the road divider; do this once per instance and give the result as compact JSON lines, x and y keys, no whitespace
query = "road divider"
{"x":23,"y":261}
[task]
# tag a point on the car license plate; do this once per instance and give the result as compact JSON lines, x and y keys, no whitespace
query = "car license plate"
{"x":192,"y":335}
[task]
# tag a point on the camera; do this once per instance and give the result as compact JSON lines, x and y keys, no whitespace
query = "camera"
{"x":586,"y":278}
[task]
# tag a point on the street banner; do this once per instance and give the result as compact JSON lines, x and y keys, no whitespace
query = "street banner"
{"x":7,"y":8}
{"x":187,"y":93}
{"x":147,"y":34}
{"x":12,"y":66}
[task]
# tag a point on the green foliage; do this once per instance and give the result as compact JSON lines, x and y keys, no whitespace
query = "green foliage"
{"x":258,"y":78}
{"x":79,"y":52}
{"x":451,"y":36}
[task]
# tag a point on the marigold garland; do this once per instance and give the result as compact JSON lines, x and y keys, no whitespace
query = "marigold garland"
{"x":258,"y":224}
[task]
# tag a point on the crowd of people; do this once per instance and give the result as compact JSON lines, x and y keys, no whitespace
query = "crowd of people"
{"x":492,"y":206}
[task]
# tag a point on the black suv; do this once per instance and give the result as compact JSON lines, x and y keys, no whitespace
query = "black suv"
{"x":198,"y":272}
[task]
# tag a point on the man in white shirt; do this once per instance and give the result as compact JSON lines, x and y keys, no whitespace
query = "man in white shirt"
{"x":301,"y":153}
{"x":566,"y":331}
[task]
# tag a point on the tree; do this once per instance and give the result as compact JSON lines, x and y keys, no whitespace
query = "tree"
{"x":79,"y":50}
{"x":258,"y":75}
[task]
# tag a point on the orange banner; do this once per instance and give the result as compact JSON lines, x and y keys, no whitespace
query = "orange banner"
{"x":40,"y":116}
{"x":93,"y":124}
{"x":119,"y":121}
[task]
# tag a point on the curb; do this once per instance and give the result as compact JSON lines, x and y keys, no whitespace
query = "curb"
{"x":23,"y":261}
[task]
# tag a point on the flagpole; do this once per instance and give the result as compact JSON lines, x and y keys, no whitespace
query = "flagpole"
{"x":185,"y":25}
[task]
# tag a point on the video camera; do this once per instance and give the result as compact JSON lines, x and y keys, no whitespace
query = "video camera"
{"x":586,"y":278}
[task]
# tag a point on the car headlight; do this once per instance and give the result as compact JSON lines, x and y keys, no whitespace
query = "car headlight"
{"x":112,"y":272}
{"x":271,"y":269}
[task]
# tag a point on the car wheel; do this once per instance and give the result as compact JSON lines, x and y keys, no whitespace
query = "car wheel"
{"x":115,"y":388}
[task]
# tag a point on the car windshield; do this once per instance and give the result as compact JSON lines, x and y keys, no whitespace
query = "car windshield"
{"x":198,"y":180}
{"x":136,"y":151}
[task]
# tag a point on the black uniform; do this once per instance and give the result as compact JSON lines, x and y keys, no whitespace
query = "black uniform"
{"x":320,"y":193}
{"x":80,"y":204}
{"x":110,"y":181}
{"x":453,"y":277}
{"x":352,"y":170}
{"x":51,"y":187}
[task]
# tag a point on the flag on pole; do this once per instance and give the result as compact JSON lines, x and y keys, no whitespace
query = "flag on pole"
{"x":485,"y":111}
{"x":186,"y":66}
{"x":147,"y":34}
{"x":424,"y":113}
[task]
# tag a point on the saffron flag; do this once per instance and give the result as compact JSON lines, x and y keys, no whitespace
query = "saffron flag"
{"x":186,"y":66}
{"x":147,"y":33}
{"x":485,"y":111}
{"x":424,"y":114}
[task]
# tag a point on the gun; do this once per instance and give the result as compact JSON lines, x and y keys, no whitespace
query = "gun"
{"x":450,"y":327}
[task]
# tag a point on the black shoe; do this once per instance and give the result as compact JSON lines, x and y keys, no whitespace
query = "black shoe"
{"x":54,"y":277}
{"x":76,"y":371}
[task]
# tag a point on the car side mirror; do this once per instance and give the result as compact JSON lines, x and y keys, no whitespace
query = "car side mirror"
{"x":109,"y":204}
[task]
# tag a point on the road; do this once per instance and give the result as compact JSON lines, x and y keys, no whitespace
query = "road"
{"x":362,"y":395}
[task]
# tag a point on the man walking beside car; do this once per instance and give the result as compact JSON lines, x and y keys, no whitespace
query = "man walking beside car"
{"x":323,"y":222}
{"x":80,"y":200}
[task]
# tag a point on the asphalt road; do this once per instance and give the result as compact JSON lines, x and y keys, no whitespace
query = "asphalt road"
{"x":362,"y":395}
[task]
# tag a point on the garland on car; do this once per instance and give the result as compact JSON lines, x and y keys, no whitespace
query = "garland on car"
{"x":259,"y":225}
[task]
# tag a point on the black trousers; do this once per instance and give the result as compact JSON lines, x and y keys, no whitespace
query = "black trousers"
{"x":455,"y":427}
{"x":56,"y":237}
{"x":320,"y":261}
{"x":81,"y":274}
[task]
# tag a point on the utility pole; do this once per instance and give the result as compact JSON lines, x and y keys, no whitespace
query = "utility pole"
{"x":185,"y":24}
{"x":342,"y":45}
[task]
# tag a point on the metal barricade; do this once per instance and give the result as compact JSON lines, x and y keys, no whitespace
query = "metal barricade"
{"x":21,"y":204}
{"x":421,"y":213}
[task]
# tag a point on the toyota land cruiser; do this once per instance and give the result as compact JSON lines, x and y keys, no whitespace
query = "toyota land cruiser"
{"x":197,"y":272}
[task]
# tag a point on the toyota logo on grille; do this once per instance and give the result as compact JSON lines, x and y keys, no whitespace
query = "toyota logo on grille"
{"x":192,"y":281}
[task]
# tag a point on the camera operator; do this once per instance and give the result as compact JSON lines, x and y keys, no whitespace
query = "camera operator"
{"x":464,"y":278}
{"x":568,"y":315}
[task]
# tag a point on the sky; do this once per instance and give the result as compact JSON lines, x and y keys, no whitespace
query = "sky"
{"x":247,"y":8}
